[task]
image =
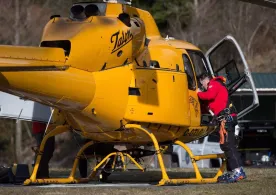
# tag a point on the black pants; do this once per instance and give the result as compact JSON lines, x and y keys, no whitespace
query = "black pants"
{"x":43,"y":169}
{"x":233,"y":158}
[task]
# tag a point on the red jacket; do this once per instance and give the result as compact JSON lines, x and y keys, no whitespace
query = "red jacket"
{"x":39,"y":127}
{"x":216,"y":95}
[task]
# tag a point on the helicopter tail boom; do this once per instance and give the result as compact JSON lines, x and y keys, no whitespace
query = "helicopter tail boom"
{"x":41,"y":74}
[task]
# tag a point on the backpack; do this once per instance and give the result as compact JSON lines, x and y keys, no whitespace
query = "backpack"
{"x":16,"y":174}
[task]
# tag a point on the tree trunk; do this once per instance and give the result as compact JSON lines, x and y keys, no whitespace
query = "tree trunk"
{"x":18,"y":141}
{"x":18,"y":130}
{"x":17,"y":23}
{"x":196,"y":8}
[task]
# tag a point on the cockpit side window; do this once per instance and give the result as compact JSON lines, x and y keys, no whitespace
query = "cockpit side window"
{"x":199,"y":62}
{"x":189,"y":71}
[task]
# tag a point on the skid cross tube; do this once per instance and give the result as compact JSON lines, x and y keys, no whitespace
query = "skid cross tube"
{"x":122,"y":155}
{"x":165,"y":179}
{"x":165,"y":176}
{"x":199,"y":178}
{"x":56,"y":131}
{"x":71,"y":178}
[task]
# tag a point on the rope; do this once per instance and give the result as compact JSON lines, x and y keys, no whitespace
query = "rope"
{"x":147,"y":165}
{"x":74,"y":131}
{"x":222,"y":132}
{"x":46,"y":129}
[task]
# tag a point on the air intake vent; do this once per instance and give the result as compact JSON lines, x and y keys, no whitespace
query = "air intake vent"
{"x":64,"y":44}
{"x":134,"y":91}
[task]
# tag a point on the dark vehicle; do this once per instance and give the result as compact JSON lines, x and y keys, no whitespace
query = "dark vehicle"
{"x":257,"y":135}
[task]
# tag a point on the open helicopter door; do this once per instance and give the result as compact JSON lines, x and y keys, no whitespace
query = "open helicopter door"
{"x":226,"y":59}
{"x":15,"y":108}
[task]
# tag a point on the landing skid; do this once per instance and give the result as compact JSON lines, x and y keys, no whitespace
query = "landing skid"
{"x":165,"y":178}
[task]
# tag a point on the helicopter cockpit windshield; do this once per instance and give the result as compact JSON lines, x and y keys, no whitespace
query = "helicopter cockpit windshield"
{"x":81,"y":11}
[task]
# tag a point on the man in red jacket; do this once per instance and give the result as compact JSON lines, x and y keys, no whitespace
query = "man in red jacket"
{"x":216,"y":95}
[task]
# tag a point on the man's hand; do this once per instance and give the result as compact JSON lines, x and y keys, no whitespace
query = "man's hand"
{"x":198,"y":90}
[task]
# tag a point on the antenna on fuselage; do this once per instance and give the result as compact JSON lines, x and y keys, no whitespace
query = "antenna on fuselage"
{"x":169,"y":38}
{"x":127,"y":2}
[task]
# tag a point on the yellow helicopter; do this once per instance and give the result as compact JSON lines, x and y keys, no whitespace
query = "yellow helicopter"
{"x":110,"y":76}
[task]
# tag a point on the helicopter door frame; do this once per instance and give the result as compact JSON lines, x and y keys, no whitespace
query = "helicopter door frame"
{"x":246,"y":77}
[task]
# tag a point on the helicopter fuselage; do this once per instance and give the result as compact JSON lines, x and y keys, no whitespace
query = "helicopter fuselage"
{"x":106,"y":74}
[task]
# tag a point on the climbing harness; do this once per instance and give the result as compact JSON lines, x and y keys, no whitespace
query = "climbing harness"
{"x":222,"y":132}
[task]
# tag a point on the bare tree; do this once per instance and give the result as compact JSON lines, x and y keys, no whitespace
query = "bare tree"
{"x":253,"y":26}
{"x":28,"y":18}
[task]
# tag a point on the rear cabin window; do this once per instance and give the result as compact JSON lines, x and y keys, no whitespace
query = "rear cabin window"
{"x":189,"y":71}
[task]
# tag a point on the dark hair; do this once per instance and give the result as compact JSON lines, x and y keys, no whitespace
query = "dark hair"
{"x":204,"y":75}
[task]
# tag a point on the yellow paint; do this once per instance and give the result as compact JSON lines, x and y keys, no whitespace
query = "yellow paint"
{"x":165,"y":180}
{"x":92,"y":93}
{"x":56,"y":131}
{"x":103,"y":83}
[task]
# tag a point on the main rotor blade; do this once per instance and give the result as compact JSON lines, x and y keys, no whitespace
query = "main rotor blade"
{"x":265,"y":3}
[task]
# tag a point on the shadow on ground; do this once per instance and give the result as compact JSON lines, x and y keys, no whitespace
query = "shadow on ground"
{"x":151,"y":176}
